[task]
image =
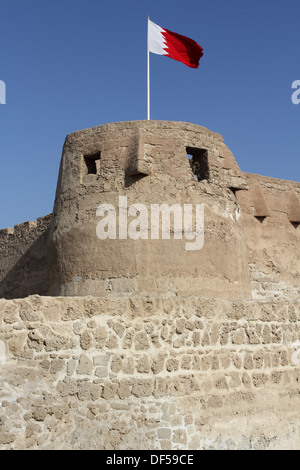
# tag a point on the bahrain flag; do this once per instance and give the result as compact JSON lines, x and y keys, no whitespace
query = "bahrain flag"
{"x":164,"y":42}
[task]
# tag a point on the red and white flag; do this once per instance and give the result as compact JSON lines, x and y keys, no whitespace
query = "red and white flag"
{"x":164,"y":42}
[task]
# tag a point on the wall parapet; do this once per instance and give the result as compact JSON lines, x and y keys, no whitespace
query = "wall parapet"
{"x":22,"y":229}
{"x":23,"y":253}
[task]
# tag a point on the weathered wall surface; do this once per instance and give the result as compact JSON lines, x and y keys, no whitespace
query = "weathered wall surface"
{"x":251,"y":222}
{"x":147,"y":162}
{"x":168,"y":373}
{"x":271,"y":220}
{"x":23,"y":259}
{"x":153,"y":357}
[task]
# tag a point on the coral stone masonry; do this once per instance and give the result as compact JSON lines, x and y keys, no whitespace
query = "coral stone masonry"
{"x":115,"y":335}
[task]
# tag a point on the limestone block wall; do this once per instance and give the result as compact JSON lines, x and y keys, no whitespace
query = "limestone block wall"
{"x":149,"y":373}
{"x":23,"y":259}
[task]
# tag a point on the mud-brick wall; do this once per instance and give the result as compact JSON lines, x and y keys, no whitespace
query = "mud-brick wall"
{"x":270,"y":215}
{"x":23,"y":256}
{"x":93,"y":373}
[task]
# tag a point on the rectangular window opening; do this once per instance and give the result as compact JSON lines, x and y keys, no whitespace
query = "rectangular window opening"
{"x":92,"y":163}
{"x":198,"y":159}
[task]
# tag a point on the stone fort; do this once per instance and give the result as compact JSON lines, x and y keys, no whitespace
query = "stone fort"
{"x":122,"y":343}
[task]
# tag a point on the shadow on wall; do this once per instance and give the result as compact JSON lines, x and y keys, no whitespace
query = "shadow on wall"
{"x":28,"y":275}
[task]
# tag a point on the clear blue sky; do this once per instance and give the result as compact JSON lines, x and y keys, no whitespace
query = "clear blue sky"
{"x":73,"y":64}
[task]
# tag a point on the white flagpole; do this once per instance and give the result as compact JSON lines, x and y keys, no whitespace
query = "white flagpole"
{"x":148,"y":73}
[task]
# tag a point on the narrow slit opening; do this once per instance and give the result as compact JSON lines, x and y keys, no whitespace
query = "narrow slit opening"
{"x":92,"y":164}
{"x":198,"y":160}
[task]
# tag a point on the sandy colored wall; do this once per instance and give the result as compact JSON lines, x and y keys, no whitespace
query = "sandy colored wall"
{"x":92,"y":373}
{"x":251,"y":222}
{"x":270,"y":215}
{"x":23,"y":259}
{"x":146,"y":162}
